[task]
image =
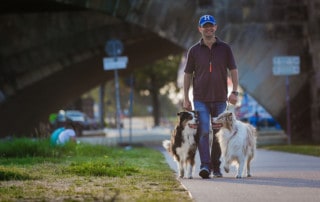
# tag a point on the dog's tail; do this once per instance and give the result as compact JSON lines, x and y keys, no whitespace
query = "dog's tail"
{"x":167,"y":145}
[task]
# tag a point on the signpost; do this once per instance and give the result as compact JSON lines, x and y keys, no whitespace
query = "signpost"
{"x":114,"y":48}
{"x":286,"y":66}
{"x":113,"y":63}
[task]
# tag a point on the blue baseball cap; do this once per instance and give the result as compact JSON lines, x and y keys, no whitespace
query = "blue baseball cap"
{"x":207,"y":19}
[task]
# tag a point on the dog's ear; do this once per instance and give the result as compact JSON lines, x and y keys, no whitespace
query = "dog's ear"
{"x":180,"y":114}
{"x":183,"y":113}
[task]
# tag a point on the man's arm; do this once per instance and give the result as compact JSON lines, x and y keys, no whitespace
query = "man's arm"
{"x":233,"y":98}
{"x":234,"y":79}
{"x":186,"y":87}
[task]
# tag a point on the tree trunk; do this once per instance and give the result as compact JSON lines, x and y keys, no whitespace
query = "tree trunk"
{"x":155,"y":103}
{"x":156,"y":108}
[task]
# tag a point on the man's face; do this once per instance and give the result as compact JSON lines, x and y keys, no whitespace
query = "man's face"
{"x":208,"y":30}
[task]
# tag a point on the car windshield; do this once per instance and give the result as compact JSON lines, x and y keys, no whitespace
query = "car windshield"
{"x":75,"y":115}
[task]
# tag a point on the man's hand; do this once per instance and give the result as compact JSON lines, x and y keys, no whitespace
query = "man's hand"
{"x":233,"y":98}
{"x":187,"y":105}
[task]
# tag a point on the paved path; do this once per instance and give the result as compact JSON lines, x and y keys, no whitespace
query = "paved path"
{"x":277,"y":176}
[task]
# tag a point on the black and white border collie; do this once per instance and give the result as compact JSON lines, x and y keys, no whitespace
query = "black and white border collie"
{"x":183,"y":143}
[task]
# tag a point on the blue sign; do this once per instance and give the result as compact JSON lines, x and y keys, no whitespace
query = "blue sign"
{"x":114,"y":47}
{"x":286,"y":65}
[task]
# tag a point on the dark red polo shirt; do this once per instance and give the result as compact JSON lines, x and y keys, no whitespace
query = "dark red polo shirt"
{"x":210,"y":84}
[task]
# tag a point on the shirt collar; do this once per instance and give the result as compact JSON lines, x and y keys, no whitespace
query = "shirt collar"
{"x":217,"y":41}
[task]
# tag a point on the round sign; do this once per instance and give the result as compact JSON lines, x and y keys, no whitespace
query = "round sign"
{"x":114,"y":47}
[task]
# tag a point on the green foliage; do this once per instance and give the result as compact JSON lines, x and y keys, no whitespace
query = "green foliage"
{"x":103,"y":161}
{"x":84,"y":172}
{"x":93,"y":151}
{"x":313,"y":150}
{"x":158,"y":74}
{"x":101,"y":168}
{"x":22,"y":147}
{"x":8,"y":173}
{"x":26,"y":147}
{"x":149,"y":78}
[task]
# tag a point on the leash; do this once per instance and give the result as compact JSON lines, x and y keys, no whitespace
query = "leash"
{"x":231,"y":108}
{"x":229,"y":105}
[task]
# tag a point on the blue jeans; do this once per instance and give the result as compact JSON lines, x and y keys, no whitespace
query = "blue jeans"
{"x":206,"y":110}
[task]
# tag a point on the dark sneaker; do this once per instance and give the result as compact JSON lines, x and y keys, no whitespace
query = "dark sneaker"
{"x":217,"y":174}
{"x":204,"y":173}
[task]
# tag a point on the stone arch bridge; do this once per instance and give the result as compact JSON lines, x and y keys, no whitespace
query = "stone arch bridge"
{"x":51,"y":51}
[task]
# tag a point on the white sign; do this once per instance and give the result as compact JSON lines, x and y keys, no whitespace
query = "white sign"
{"x":112,"y":63}
{"x":286,"y":65}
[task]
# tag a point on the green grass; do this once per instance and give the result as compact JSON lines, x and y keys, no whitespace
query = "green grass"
{"x":33,"y":170}
{"x":25,"y":147}
{"x":313,"y":150}
{"x":7,"y":173}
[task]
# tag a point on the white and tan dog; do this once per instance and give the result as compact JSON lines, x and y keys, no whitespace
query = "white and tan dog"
{"x":238,"y":143}
{"x":183,"y":143}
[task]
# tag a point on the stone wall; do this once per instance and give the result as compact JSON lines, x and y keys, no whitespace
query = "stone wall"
{"x":257,"y":32}
{"x":314,"y":49}
{"x":36,"y":47}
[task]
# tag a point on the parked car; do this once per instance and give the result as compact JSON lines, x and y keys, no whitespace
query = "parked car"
{"x":80,"y":120}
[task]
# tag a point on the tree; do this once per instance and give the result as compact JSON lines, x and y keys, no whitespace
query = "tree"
{"x":151,"y":78}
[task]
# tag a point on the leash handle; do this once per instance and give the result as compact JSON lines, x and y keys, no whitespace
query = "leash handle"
{"x":231,"y":108}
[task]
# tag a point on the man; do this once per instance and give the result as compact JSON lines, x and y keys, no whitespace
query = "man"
{"x":207,"y":65}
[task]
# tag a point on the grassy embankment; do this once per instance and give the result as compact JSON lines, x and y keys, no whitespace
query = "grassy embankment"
{"x":34,"y":171}
{"x":312,"y":150}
